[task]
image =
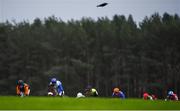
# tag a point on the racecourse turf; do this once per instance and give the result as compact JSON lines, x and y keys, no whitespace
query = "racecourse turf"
{"x":66,"y":103}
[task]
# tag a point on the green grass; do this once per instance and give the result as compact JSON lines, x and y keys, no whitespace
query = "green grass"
{"x":56,"y":103}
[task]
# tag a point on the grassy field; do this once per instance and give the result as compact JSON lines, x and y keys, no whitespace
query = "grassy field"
{"x":56,"y":103}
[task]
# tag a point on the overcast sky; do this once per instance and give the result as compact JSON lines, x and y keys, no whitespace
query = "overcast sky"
{"x":20,"y":10}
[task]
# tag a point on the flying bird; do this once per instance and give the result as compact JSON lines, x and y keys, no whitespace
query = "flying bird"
{"x":102,"y":5}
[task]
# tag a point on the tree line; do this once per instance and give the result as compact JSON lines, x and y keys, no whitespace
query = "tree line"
{"x":104,"y":53}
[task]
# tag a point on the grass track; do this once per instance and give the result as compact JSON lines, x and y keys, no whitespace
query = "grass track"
{"x":57,"y":103}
